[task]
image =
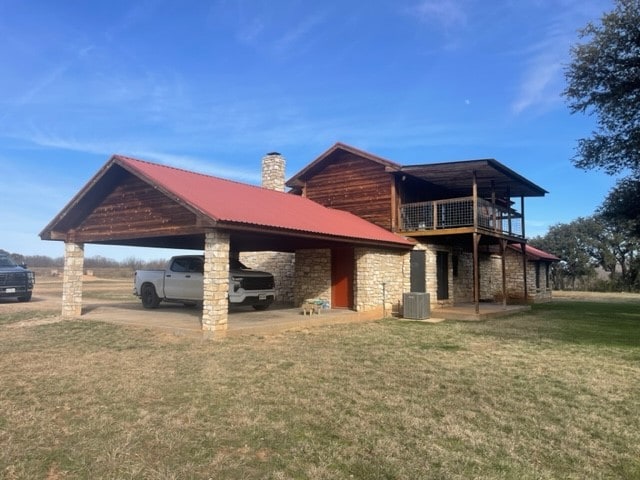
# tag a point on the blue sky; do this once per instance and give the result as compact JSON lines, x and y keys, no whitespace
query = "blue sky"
{"x":213,"y":86}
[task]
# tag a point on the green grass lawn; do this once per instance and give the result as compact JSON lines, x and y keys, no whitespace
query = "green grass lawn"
{"x":550,"y":394}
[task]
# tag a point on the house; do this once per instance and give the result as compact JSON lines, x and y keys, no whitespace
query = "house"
{"x":355,"y":229}
{"x":463,"y":216}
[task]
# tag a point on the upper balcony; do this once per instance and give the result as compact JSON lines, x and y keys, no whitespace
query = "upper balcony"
{"x":462,"y":190}
{"x":457,"y":215}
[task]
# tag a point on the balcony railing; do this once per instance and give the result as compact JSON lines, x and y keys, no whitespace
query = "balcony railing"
{"x":459,"y":213}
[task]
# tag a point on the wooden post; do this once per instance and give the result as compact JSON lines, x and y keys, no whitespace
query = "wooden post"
{"x":509,"y":210}
{"x":476,"y":242}
{"x":435,"y":214}
{"x":522,"y":214}
{"x":394,"y":206}
{"x":475,"y":201}
{"x":476,"y":272}
{"x":494,"y":216}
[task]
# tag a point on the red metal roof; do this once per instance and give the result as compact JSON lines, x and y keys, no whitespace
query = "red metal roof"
{"x":230,"y":202}
{"x":536,"y":253}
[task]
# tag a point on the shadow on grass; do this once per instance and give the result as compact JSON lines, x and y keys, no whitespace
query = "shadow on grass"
{"x":584,"y":323}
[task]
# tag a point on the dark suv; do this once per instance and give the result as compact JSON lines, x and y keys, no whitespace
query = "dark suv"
{"x":15,"y":280}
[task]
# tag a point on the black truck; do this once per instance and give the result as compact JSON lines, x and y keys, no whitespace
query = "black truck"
{"x":15,"y":280}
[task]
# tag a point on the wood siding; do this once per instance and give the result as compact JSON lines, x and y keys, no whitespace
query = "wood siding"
{"x":134,"y":209}
{"x":356,"y":185}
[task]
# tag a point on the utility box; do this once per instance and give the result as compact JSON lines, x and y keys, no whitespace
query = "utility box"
{"x":416,"y":306}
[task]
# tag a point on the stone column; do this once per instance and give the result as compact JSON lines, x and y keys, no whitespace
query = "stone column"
{"x":216,"y":283}
{"x":72,"y":279}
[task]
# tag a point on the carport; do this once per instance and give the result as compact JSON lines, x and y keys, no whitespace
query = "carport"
{"x":137,"y":203}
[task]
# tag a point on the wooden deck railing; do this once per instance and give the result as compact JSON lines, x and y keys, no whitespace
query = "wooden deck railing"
{"x":459,"y":213}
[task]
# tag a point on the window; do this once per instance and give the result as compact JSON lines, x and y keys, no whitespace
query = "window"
{"x":187,"y":265}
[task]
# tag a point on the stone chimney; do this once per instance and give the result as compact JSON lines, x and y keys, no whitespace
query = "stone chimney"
{"x":273,"y":171}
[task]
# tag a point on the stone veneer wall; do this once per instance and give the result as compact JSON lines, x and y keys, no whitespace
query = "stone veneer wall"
{"x":373,"y":268}
{"x":312,"y":275}
{"x":463,"y":281}
{"x":543,"y":293}
{"x":432,"y":273}
{"x":281,"y":265}
{"x":72,"y":279}
{"x":515,"y":279}
{"x":216,"y":282}
{"x":490,"y":276}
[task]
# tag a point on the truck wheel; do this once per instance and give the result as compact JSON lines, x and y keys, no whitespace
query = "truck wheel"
{"x":25,"y":298}
{"x":149,"y":296}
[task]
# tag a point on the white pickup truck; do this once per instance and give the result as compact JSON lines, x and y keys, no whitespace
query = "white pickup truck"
{"x":182,"y":281}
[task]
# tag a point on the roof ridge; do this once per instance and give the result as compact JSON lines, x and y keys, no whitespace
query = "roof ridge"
{"x":191,"y":172}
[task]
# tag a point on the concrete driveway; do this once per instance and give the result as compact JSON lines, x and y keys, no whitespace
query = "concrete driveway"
{"x":181,"y":320}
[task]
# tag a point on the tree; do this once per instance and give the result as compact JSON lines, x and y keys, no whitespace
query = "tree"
{"x":573,"y":244}
{"x":604,"y":79}
{"x":622,"y":204}
{"x":587,"y":243}
{"x":616,"y":246}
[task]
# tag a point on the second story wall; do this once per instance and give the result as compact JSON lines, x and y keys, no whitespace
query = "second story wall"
{"x":354,"y":184}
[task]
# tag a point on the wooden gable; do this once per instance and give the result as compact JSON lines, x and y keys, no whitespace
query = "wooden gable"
{"x":350,"y":182}
{"x":134,"y":209}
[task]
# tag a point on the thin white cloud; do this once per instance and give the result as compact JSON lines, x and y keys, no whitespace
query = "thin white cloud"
{"x":295,"y":37}
{"x":542,"y":80}
{"x":541,"y":84}
{"x":134,"y":150}
{"x":196,"y":164}
{"x":138,"y":12}
{"x":44,"y":81}
{"x":248,"y":32}
{"x":446,"y":13}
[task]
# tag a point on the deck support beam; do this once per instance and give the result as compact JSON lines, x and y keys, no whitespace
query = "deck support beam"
{"x":476,"y":243}
{"x":476,"y":272}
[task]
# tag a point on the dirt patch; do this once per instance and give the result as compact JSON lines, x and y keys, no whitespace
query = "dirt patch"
{"x":34,"y":323}
{"x":47,"y":296}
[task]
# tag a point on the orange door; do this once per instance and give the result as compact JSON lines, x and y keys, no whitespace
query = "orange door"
{"x":342,"y":266}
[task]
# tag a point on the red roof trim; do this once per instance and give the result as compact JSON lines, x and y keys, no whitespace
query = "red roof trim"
{"x":535,"y":253}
